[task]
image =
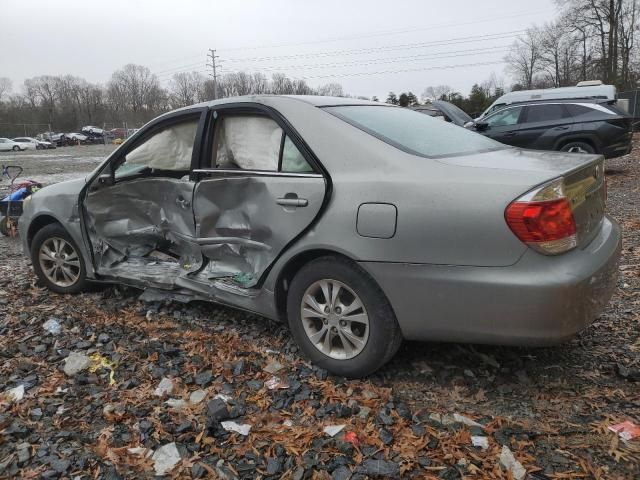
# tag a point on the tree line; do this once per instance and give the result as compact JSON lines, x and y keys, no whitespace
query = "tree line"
{"x":590,"y":40}
{"x":132,"y":96}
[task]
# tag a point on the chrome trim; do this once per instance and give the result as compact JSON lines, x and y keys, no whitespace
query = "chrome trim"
{"x":263,"y":173}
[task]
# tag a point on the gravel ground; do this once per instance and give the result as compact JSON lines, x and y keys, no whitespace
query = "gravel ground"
{"x":116,"y":388}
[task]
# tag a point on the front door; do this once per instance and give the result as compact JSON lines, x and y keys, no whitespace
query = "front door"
{"x":257,"y":192}
{"x":138,"y":211}
{"x":503,"y":126}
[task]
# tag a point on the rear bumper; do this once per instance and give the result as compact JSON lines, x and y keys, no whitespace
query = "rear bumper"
{"x":540,"y":300}
{"x":618,"y":149}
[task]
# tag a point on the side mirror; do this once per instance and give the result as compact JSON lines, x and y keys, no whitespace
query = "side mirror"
{"x":470,"y":124}
{"x":104,"y":180}
{"x":480,"y":126}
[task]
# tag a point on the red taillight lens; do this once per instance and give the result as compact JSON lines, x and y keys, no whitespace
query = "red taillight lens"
{"x":541,"y":221}
{"x":546,"y":225}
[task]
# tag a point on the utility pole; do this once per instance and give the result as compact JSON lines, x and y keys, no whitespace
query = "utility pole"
{"x":212,"y":55}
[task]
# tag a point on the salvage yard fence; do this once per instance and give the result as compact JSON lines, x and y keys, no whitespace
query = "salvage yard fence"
{"x":632,"y":100}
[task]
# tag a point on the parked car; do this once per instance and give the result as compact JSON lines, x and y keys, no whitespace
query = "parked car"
{"x":58,"y":139}
{"x":33,"y":143}
{"x":90,"y":130}
{"x":76,"y":137}
{"x":583,"y":90}
{"x":357,"y":222}
{"x":563,"y":125}
{"x":7,"y":145}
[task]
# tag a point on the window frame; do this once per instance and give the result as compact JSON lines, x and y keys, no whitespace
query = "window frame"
{"x":217,"y":112}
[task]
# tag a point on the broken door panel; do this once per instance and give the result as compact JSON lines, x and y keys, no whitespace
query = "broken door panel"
{"x":130,"y":220}
{"x":244,"y":221}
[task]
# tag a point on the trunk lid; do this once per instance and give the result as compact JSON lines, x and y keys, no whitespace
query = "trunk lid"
{"x":584,"y":179}
{"x":586,"y":190}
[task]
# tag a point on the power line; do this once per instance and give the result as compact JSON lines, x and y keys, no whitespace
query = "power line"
{"x":366,"y":35}
{"x":359,"y":51}
{"x":388,"y":32}
{"x":379,"y":61}
{"x":405,"y":70}
{"x":351,"y":52}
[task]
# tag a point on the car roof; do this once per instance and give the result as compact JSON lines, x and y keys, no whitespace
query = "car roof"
{"x":274,"y":100}
{"x":547,"y":101}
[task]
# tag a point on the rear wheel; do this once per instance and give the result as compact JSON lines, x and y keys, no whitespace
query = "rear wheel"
{"x":341,"y":319}
{"x":578,"y":147}
{"x":57,"y":260}
{"x":16,"y":148}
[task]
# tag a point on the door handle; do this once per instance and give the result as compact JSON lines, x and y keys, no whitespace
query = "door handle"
{"x":562,"y":128}
{"x":510,"y":134}
{"x":290,"y":200}
{"x":183,"y":203}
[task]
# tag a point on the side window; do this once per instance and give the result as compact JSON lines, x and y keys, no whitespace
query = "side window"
{"x":506,"y":117}
{"x":168,"y":150}
{"x":247,"y":142}
{"x":292,"y":159}
{"x":546,"y":113}
{"x":577,"y":110}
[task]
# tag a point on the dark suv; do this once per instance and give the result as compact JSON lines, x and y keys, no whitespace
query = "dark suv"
{"x":567,"y":125}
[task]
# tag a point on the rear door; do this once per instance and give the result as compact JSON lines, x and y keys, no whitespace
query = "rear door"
{"x":258,"y":190}
{"x":542,"y":125}
{"x":504,"y":126}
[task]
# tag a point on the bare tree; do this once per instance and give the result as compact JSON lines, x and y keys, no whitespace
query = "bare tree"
{"x":436,"y":93}
{"x":525,"y":57}
{"x":135,"y":89}
{"x":331,"y":89}
{"x":5,"y":87}
{"x":186,"y":89}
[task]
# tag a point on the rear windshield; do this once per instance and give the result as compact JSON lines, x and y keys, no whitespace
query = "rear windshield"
{"x":414,"y":132}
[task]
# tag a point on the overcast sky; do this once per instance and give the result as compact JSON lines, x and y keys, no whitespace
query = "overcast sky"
{"x":370,"y":47}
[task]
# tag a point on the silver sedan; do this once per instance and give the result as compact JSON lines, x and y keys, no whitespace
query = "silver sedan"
{"x":358,"y":223}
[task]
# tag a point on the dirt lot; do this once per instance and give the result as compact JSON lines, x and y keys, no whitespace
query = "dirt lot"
{"x":550,"y":407}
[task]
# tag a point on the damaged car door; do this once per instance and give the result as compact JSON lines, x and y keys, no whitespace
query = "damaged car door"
{"x":256,"y":193}
{"x":138,"y":211}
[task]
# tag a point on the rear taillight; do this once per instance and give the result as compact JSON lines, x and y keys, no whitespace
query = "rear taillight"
{"x":543,"y":219}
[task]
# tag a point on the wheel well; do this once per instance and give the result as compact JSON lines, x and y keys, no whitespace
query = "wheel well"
{"x":289,"y":271}
{"x":37,"y":224}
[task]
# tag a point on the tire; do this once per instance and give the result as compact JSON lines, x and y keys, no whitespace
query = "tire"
{"x":71,"y":267}
{"x":578,"y":147}
{"x":16,"y":148}
{"x":378,"y":342}
{"x":4,"y":226}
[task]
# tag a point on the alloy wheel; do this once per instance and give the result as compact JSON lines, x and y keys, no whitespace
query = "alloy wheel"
{"x":577,"y":149}
{"x":334,"y":319}
{"x":59,"y":262}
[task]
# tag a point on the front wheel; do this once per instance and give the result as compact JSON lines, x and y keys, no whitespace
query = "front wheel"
{"x":16,"y":148}
{"x":577,"y":147}
{"x":57,"y":260}
{"x":4,"y":226}
{"x":341,"y":319}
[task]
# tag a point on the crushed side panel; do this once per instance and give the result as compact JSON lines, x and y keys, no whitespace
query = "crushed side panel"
{"x":129,"y":221}
{"x":240,"y":227}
